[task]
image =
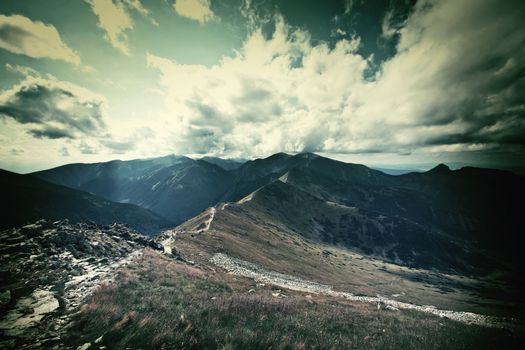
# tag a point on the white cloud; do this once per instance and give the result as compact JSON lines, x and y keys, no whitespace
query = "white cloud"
{"x":21,"y":35}
{"x":137,"y":6}
{"x":277,"y":94}
{"x":197,"y":10}
{"x":115,"y":21}
{"x":25,"y":71}
{"x":451,"y":80}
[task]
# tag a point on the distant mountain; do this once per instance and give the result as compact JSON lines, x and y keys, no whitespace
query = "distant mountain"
{"x":391,"y":171}
{"x":226,"y":164}
{"x":260,"y":172}
{"x":26,"y":198}
{"x":174,"y":187}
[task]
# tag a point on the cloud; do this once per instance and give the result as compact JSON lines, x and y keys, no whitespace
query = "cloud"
{"x":16,"y":151}
{"x":21,"y":35}
{"x":115,"y":21}
{"x":50,"y":132}
{"x":119,"y":147}
{"x":137,"y":6}
{"x":25,"y":71}
{"x":53,"y":109}
{"x":197,"y":10}
{"x":64,"y":152}
{"x":276,"y":94}
{"x":86,"y":148}
{"x":451,"y":76}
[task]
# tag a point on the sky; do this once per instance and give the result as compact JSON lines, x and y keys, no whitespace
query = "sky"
{"x":386,"y":83}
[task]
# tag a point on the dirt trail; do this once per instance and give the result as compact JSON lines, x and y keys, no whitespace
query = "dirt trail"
{"x":210,"y":219}
{"x":246,"y":269}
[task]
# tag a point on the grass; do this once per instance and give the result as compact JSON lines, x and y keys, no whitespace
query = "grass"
{"x":252,"y":237}
{"x":158,"y":303}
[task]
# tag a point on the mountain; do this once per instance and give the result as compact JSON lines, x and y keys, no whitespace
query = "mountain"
{"x":391,"y":171}
{"x":464,"y":220}
{"x":176,"y":188}
{"x":287,"y":245}
{"x":226,"y":164}
{"x":389,"y":237}
{"x":27,"y":198}
{"x":454,"y":219}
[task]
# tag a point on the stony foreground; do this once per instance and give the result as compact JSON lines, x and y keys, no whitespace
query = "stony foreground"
{"x":48,"y":268}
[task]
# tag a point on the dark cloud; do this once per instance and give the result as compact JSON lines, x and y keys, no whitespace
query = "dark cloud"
{"x":64,"y":152}
{"x":51,"y":133}
{"x":16,"y":151}
{"x":84,"y":148}
{"x":119,"y":147}
{"x":12,"y":34}
{"x":61,"y":111}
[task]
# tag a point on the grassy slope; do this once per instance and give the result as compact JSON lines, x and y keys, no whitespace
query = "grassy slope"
{"x":160,"y":303}
{"x":248,"y":235}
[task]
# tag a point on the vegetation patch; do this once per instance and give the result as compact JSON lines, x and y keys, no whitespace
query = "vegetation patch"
{"x":161,"y":303}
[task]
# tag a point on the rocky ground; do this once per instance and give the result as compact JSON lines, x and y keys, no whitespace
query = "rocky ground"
{"x":48,"y":268}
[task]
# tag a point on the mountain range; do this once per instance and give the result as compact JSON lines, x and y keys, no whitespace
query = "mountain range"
{"x":459,"y":220}
{"x":271,"y":239}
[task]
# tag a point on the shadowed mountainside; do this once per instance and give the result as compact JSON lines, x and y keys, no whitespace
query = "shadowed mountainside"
{"x":176,"y":188}
{"x":27,"y":198}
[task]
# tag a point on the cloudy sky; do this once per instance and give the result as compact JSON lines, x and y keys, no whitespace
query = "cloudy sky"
{"x":391,"y":83}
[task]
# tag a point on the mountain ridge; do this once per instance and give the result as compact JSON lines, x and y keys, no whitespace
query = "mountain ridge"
{"x":456,"y":202}
{"x":29,"y":198}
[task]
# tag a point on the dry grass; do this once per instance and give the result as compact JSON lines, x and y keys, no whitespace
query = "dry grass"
{"x":240,"y":234}
{"x":162,"y":304}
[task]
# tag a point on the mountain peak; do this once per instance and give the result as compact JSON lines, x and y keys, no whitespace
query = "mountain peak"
{"x":440,"y":168}
{"x":306,"y":155}
{"x":279,"y":155}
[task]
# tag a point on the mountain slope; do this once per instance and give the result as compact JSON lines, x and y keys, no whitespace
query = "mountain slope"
{"x":391,"y":238}
{"x":27,"y":198}
{"x":174,"y":187}
{"x":260,"y":172}
{"x":480,"y":206}
{"x":466,"y":220}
